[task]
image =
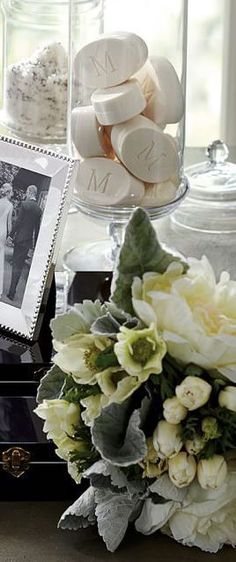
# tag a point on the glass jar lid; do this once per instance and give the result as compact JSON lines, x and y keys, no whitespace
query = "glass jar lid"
{"x":211,"y":203}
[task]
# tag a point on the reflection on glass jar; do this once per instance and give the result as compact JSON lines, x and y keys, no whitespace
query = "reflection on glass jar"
{"x":35,"y":67}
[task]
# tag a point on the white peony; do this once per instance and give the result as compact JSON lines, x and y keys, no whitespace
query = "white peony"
{"x":167,"y":439}
{"x":212,"y":472}
{"x":227,"y":398}
{"x":173,"y":411}
{"x":182,"y":469}
{"x":193,"y":392}
{"x":208,"y":518}
{"x":193,"y":516}
{"x":195,"y":314}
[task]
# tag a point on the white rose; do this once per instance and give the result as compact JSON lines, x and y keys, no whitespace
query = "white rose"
{"x":212,"y":472}
{"x":173,"y":411}
{"x":193,"y":392}
{"x":166,"y":439}
{"x":182,"y":469}
{"x":195,"y":314}
{"x":61,"y":417}
{"x":227,"y":398}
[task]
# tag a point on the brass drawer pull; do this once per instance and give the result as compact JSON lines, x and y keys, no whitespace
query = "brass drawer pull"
{"x":16,"y":461}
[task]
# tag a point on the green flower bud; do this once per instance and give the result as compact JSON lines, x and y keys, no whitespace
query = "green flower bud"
{"x":210,"y":428}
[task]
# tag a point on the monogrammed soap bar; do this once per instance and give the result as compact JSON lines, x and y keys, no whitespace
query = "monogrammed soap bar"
{"x":85,"y":133}
{"x":118,"y":103}
{"x":145,"y":150}
{"x":101,"y":181}
{"x":110,"y":60}
{"x":162,"y":89}
{"x":158,"y":194}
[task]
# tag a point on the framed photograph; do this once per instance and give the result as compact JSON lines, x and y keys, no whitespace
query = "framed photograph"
{"x":35,"y":191}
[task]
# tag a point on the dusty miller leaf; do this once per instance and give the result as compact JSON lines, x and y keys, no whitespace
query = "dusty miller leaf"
{"x":104,"y":474}
{"x":51,"y":384}
{"x":114,"y":477}
{"x":141,"y":252}
{"x":66,"y":325}
{"x":78,"y":320}
{"x":117,"y":436}
{"x":113,"y":512}
{"x":81,"y":513}
{"x":109,"y":324}
{"x":105,"y":326}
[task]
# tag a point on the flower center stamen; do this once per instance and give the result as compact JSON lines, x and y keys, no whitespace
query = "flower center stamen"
{"x":90,"y":356}
{"x":142,"y":350}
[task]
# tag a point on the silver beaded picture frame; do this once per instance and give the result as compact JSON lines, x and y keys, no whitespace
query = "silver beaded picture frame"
{"x":36,"y":186}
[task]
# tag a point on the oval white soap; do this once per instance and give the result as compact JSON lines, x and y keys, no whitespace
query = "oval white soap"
{"x":101,"y":181}
{"x":118,"y":103}
{"x":84,"y":132}
{"x":158,"y":194}
{"x":110,"y":60}
{"x":163,"y":91}
{"x":145,"y":150}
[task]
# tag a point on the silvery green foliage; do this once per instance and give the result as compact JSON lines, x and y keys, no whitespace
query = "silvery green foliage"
{"x":103,"y":474}
{"x":81,"y":513}
{"x":156,"y":512}
{"x":105,"y":326}
{"x":155,"y":515}
{"x":109,"y":324}
{"x":141,"y":252}
{"x":78,"y":320}
{"x":113,"y":512}
{"x":117,"y":436}
{"x":51,"y":384}
{"x":167,"y":490}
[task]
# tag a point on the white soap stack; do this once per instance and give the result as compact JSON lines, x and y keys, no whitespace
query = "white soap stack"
{"x":128,"y":159}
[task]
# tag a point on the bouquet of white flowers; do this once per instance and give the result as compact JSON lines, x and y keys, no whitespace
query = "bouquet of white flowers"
{"x":141,"y":399}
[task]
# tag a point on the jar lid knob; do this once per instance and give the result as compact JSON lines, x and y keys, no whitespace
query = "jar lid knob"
{"x":217,"y":152}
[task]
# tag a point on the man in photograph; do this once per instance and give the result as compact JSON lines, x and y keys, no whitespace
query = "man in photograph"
{"x":24,"y":235}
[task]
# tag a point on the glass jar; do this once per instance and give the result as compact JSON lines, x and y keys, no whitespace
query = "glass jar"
{"x":127,"y":109}
{"x":133,"y":74}
{"x":206,"y":222}
{"x":35,"y":67}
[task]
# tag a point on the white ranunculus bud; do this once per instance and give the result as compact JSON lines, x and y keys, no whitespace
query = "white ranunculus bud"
{"x":173,"y":411}
{"x":167,"y":439}
{"x":182,"y":469}
{"x":193,"y":392}
{"x":227,"y":398}
{"x":194,"y":446}
{"x":212,"y":472}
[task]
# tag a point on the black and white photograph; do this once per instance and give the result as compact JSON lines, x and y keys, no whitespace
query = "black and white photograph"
{"x":36,"y":185}
{"x":23,"y":196}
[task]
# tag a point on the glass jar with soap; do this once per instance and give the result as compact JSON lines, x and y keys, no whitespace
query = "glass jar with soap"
{"x":128,"y":113}
{"x":35,"y":67}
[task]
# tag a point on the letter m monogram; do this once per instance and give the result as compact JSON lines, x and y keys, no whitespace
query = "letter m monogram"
{"x":149,"y":155}
{"x":100,"y":186}
{"x":103,"y":67}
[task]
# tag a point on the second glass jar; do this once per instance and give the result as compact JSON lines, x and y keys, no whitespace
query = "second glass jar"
{"x":35,"y":67}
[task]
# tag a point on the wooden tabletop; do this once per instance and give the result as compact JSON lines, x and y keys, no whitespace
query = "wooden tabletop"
{"x":28,"y":533}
